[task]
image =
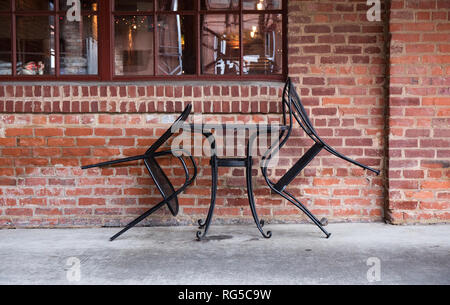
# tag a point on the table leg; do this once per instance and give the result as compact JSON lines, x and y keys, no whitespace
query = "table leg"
{"x":251,"y":198}
{"x":214,"y":180}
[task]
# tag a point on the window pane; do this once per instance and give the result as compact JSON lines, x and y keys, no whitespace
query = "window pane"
{"x":4,"y":5}
{"x":5,"y":46}
{"x":262,"y":40}
{"x":33,"y":5}
{"x":177,"y":55}
{"x":133,"y":45}
{"x":36,"y":45}
{"x":219,"y":4}
{"x":175,"y":5}
{"x":78,"y":46}
{"x":134,"y":5}
{"x":85,"y":5}
{"x":220,"y":44}
{"x":261,"y":4}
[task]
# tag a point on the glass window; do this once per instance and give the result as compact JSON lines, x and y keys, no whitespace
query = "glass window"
{"x":35,"y":45}
{"x":262,"y":44}
{"x":220,"y":44}
{"x":133,"y":45}
{"x":134,"y":5}
{"x":261,"y":4}
{"x":175,"y":5}
{"x":35,"y":5}
{"x":78,"y":46}
{"x":5,"y":5}
{"x":142,"y":39}
{"x":177,"y":50}
{"x":220,"y":4}
{"x":85,"y":5}
{"x":5,"y":42}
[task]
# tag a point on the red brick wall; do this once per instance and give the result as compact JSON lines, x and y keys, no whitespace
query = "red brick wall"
{"x":48,"y":132}
{"x":337,"y":59}
{"x":419,"y":110}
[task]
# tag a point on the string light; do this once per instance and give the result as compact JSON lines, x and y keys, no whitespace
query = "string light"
{"x":132,"y":22}
{"x":260,"y":5}
{"x":253,"y":32}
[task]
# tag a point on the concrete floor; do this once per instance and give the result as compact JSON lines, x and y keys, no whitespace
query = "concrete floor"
{"x":296,"y":254}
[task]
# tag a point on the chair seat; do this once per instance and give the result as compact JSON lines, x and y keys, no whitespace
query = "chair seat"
{"x":163,"y":184}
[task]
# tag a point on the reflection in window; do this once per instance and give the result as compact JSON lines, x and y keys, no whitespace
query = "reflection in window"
{"x":5,"y":43}
{"x":134,"y":5}
{"x":4,"y":5}
{"x":176,"y":54}
{"x":175,"y":5}
{"x":219,"y":4}
{"x":150,"y":38}
{"x":133,"y":47}
{"x":262,"y":44}
{"x":35,"y":45}
{"x":85,"y":5}
{"x":261,"y":4}
{"x":220,"y":44}
{"x":33,"y":5}
{"x":79,"y":46}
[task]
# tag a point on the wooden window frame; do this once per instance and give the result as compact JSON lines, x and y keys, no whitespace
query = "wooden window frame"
{"x":106,"y":13}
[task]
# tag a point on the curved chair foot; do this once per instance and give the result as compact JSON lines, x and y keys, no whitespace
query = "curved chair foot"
{"x":200,"y":224}
{"x":260,"y":224}
{"x":267,"y":235}
{"x":200,"y":235}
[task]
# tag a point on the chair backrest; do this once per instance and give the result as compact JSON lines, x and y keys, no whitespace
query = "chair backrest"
{"x":298,"y":111}
{"x":169,"y":132}
{"x":161,"y":180}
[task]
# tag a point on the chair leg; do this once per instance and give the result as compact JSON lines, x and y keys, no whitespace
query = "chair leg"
{"x":339,"y":155}
{"x":134,"y":158}
{"x":214,"y":177}
{"x":139,"y":219}
{"x":251,"y":199}
{"x":299,"y":205}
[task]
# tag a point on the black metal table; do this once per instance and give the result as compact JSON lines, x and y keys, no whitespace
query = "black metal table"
{"x":254,"y":130}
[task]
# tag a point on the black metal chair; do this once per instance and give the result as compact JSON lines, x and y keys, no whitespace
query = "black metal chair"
{"x":291,"y":102}
{"x":160,"y":179}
